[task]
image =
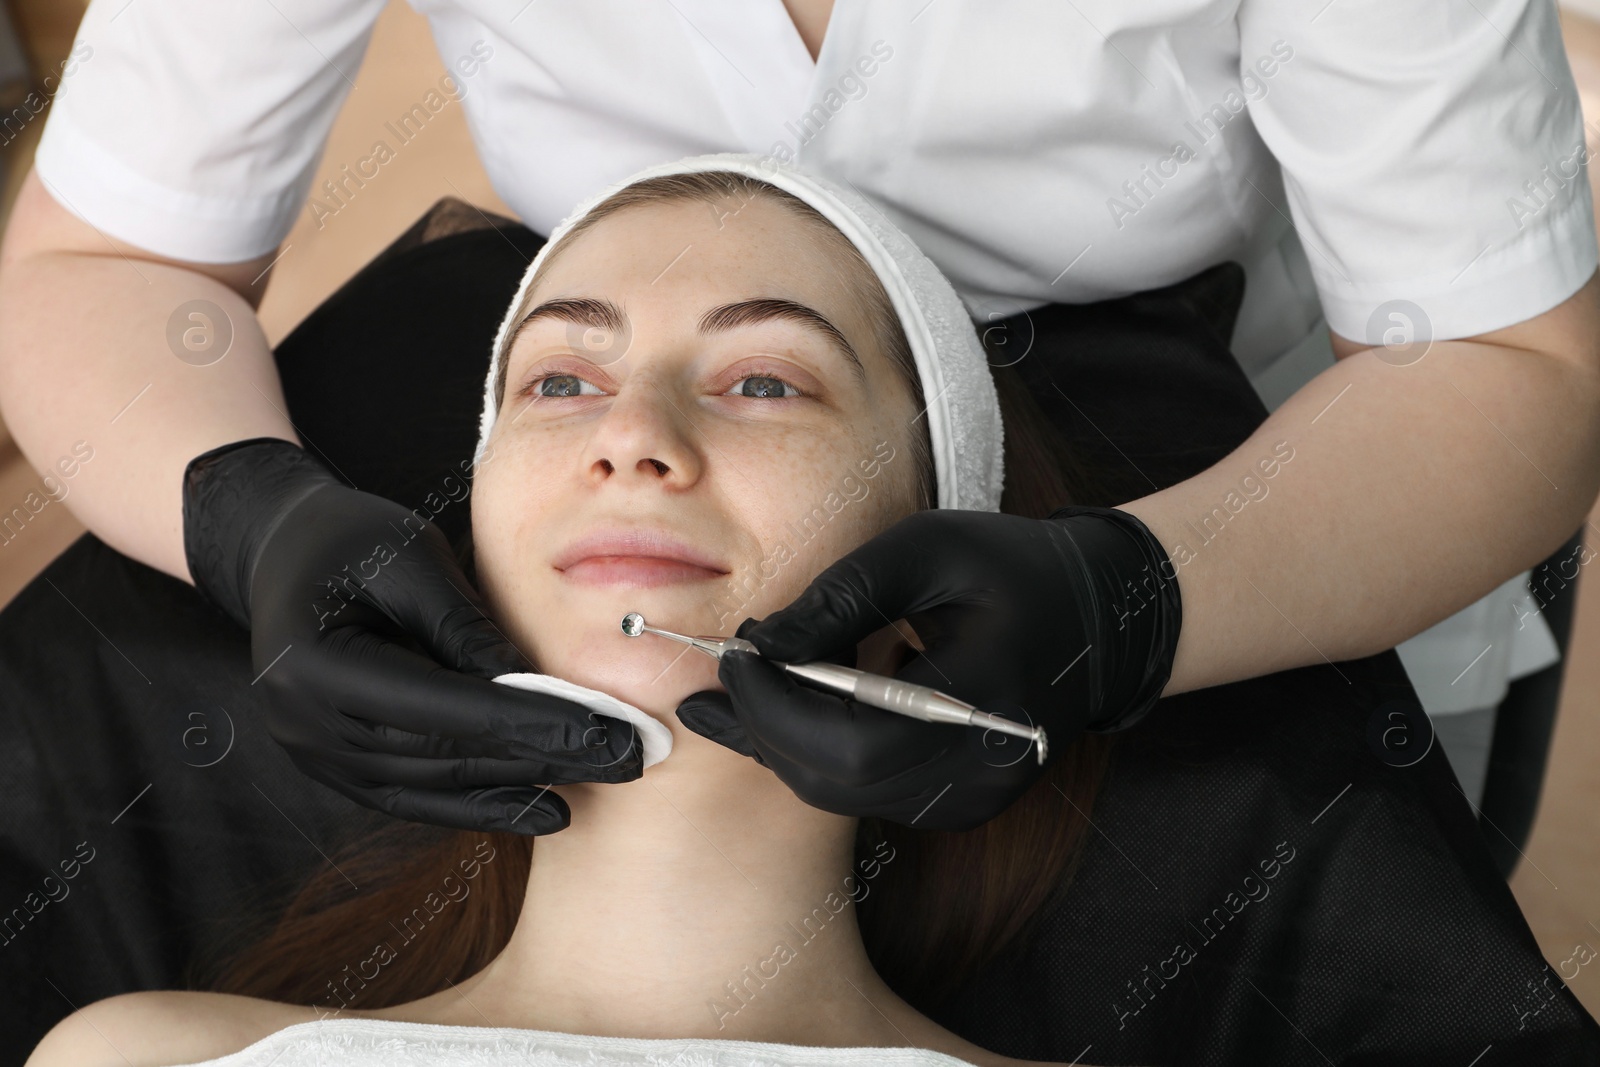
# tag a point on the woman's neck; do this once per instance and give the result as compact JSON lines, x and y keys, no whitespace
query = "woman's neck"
{"x":702,"y":900}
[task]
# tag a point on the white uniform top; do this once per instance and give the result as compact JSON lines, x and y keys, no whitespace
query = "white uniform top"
{"x":1048,"y":151}
{"x":1064,"y":151}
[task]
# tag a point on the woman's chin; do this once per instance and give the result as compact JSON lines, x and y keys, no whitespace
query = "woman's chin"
{"x":590,"y":649}
{"x":656,"y":680}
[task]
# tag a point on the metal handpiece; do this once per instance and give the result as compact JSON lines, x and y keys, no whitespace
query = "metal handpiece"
{"x":891,"y":694}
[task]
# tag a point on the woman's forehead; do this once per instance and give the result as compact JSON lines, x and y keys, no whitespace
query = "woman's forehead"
{"x":703,"y":236}
{"x":747,"y":246}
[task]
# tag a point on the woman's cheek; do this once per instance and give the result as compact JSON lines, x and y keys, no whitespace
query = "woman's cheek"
{"x":502,"y":520}
{"x":816,"y":513}
{"x":494,"y":580}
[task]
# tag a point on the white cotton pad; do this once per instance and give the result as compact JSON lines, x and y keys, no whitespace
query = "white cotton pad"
{"x":654,"y":737}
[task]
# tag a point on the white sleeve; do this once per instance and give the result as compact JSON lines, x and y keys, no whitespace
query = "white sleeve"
{"x":1432,"y":152}
{"x":193,"y":128}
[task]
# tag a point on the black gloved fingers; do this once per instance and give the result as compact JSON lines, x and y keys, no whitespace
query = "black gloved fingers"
{"x":380,"y":737}
{"x":419,"y":772}
{"x":710,"y":714}
{"x":905,"y":798}
{"x":518,"y":810}
{"x":815,"y":790}
{"x":612,"y":762}
{"x":428,"y":597}
{"x":845,"y":655}
{"x":366,"y":676}
{"x":916,"y":565}
{"x":888,"y":577}
{"x":851,"y":744}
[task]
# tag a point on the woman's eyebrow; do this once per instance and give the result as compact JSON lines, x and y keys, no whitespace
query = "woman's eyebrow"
{"x":583,"y":310}
{"x":749,"y":312}
{"x":603,"y":313}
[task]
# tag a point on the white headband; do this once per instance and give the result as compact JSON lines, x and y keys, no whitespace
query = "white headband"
{"x":963,"y":410}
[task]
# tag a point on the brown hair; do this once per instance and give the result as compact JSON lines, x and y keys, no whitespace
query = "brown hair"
{"x":947,"y":904}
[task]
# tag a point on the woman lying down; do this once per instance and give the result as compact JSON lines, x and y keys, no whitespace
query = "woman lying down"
{"x":704,"y":367}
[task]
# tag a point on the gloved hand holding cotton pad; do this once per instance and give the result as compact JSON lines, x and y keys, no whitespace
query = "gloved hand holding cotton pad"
{"x":655,"y":740}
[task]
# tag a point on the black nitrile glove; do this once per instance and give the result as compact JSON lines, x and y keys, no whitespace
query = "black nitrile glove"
{"x":375,"y":651}
{"x":1065,"y":622}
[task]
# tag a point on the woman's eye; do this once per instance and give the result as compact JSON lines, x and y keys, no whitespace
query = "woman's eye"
{"x":763,"y":386}
{"x":565,"y":385}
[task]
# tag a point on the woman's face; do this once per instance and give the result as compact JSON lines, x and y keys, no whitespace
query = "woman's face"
{"x":697,"y":419}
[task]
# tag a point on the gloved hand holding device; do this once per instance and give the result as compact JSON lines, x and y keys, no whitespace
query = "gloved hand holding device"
{"x":1069,"y":622}
{"x":375,"y":651}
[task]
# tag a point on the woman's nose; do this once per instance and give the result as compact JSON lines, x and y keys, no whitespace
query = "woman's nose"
{"x":645,"y":437}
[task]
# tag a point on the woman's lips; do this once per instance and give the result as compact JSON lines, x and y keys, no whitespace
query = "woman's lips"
{"x":636,"y":557}
{"x":638,"y":572}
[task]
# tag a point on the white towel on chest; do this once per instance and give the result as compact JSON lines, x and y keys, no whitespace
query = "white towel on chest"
{"x":381,"y":1043}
